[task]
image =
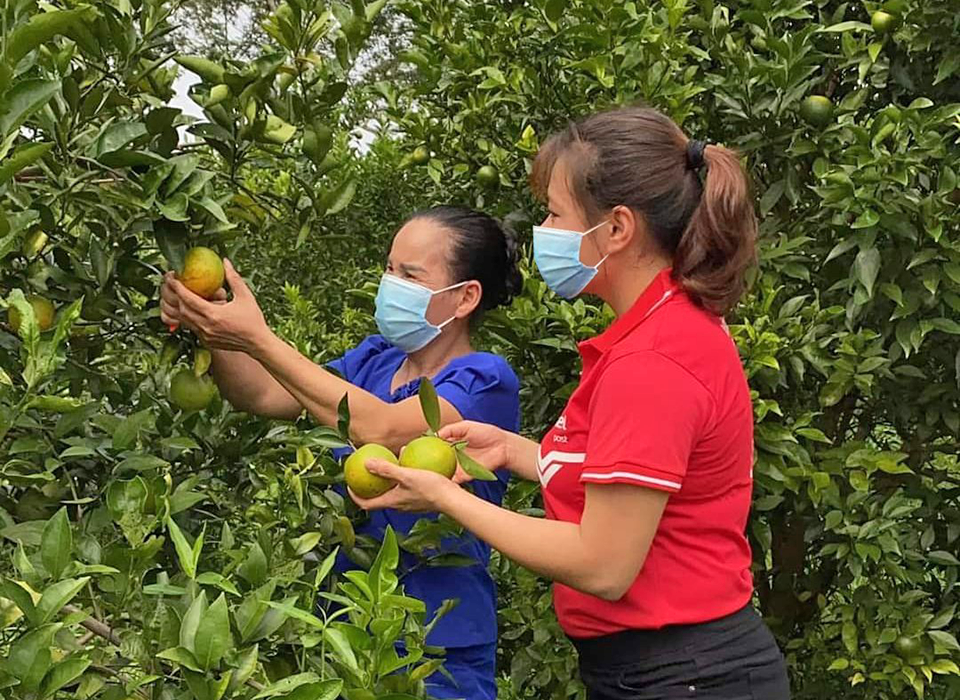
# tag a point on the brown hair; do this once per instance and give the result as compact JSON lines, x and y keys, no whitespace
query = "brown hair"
{"x":639,"y":158}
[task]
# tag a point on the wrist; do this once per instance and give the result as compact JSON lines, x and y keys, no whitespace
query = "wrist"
{"x":261,"y":343}
{"x":446,"y":495}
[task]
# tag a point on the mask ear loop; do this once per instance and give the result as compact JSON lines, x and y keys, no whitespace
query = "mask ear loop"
{"x":441,"y":326}
{"x":591,"y":230}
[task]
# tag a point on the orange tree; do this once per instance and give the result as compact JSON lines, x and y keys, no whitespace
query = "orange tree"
{"x":151,"y":552}
{"x":849,"y":333}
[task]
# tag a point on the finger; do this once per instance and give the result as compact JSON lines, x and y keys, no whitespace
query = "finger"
{"x":461,"y":477}
{"x":378,"y":503}
{"x":237,"y":285}
{"x":454,"y":431}
{"x":383,"y":468}
{"x":190,"y":301}
{"x":171,"y":309}
{"x":220,"y":296}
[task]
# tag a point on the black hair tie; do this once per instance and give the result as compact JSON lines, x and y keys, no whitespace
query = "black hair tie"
{"x":695,"y":154}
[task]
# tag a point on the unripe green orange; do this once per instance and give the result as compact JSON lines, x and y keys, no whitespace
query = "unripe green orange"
{"x":431,"y":453}
{"x":191,"y":393}
{"x":359,"y":479}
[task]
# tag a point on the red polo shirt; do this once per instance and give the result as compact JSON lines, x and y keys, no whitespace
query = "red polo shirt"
{"x":662,"y":403}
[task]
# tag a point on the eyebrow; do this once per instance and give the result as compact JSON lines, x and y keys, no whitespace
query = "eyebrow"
{"x":410,"y":268}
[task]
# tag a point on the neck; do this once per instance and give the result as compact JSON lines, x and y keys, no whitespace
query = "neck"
{"x":623,"y":294}
{"x":453,"y":342}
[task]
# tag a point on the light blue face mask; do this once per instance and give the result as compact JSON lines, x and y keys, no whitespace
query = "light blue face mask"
{"x":557,"y":254}
{"x":402,"y":313}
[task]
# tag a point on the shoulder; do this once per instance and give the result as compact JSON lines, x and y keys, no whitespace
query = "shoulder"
{"x":481,"y":371}
{"x":687,"y":336}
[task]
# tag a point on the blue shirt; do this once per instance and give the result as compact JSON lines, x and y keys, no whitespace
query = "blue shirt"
{"x":482,"y":387}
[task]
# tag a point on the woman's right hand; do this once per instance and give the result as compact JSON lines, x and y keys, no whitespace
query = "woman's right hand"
{"x":170,"y":303}
{"x":487,"y":444}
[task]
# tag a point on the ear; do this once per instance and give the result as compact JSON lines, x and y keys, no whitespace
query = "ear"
{"x":626,"y":227}
{"x":471,"y":292}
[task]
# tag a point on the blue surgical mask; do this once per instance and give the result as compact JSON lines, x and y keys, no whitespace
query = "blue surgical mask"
{"x":402,"y":313}
{"x":557,"y":254}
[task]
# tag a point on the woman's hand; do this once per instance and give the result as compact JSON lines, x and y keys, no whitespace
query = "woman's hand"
{"x":170,"y":302}
{"x":487,"y":444}
{"x":417,"y":490}
{"x":235,"y":325}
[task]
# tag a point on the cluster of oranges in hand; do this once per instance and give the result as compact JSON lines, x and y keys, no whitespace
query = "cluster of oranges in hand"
{"x":426,"y":452}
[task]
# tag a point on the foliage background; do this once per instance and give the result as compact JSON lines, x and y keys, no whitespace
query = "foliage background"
{"x":848,"y":335}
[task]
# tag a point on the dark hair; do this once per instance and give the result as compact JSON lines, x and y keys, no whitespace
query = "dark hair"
{"x":639,"y":158}
{"x":483,"y":249}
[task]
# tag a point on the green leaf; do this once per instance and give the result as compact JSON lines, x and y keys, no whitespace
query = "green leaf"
{"x":554,"y":9}
{"x":254,"y":568}
{"x":26,"y":98}
{"x":343,"y":418}
{"x":21,"y":158}
{"x":430,"y":404}
{"x":213,"y":636}
{"x":56,"y":549}
{"x":306,"y":542}
{"x":866,"y":219}
{"x":944,"y":639}
{"x":287,"y":685}
{"x":214,"y":209}
{"x":182,"y":656}
{"x":127,"y":431}
{"x":188,"y":556}
{"x":58,"y":595}
{"x":292,"y":611}
{"x":21,"y":598}
{"x":849,"y":634}
{"x":945,"y":666}
{"x":943,"y":558}
{"x":324,"y":690}
{"x":336,"y":200}
{"x":29,"y":658}
{"x":473,"y":467}
{"x":341,"y":647}
{"x":205,"y":69}
{"x":847,"y":27}
{"x":41,"y":28}
{"x":62,"y":675}
{"x":866,"y":267}
{"x":191,"y":621}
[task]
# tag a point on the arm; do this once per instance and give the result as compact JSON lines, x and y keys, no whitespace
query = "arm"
{"x":320,"y":392}
{"x":583,"y":556}
{"x":249,"y":387}
{"x":522,"y":457}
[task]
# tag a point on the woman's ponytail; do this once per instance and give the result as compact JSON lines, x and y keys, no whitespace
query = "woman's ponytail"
{"x":718,"y":244}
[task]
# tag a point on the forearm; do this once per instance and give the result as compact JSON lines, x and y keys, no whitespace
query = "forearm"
{"x":320,"y":392}
{"x":522,"y":454}
{"x":551,"y":548}
{"x":249,"y":387}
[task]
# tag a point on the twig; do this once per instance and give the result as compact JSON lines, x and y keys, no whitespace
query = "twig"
{"x":101,"y":629}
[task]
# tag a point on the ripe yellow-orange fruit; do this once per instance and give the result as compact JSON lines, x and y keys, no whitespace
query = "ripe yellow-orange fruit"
{"x":430,"y":453}
{"x":42,"y":309}
{"x":361,"y":481}
{"x":191,"y":393}
{"x":202,"y":272}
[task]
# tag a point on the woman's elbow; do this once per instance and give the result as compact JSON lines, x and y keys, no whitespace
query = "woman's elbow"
{"x":612,"y":583}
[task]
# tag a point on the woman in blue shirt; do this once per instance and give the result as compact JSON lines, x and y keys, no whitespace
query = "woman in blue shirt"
{"x":446,"y":267}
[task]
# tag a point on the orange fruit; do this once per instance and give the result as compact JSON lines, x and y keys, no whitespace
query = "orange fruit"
{"x":202,"y":272}
{"x":189,"y":392}
{"x":361,"y":481}
{"x":430,"y":453}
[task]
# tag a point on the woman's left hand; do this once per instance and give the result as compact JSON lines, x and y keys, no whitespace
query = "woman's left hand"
{"x":235,"y":325}
{"x":417,"y":490}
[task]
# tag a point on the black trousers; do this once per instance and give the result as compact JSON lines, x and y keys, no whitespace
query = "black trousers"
{"x":733,"y":658}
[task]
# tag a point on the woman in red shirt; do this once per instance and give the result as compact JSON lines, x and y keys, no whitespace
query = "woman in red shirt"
{"x":647,"y":475}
